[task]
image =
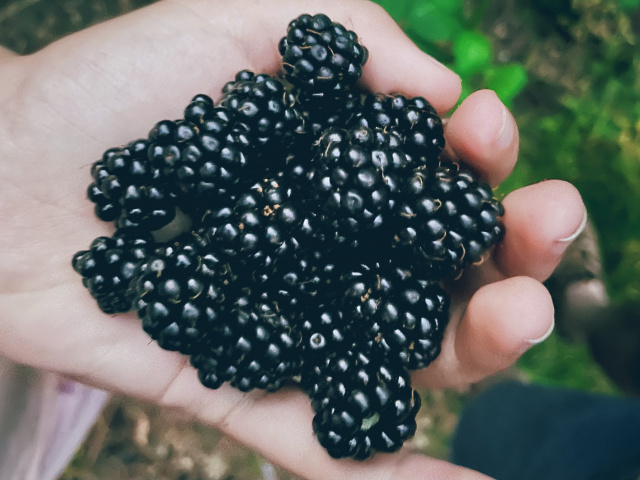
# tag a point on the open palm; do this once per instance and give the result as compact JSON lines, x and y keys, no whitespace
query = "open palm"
{"x":62,"y":107}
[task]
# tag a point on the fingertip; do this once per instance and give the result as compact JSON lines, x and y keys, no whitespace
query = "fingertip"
{"x":483,"y":134}
{"x":541,"y":221}
{"x":502,"y":321}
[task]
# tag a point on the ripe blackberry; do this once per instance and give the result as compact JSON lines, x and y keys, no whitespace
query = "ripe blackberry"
{"x":210,"y":166}
{"x":266,"y":108}
{"x":109,"y":267}
{"x":399,"y":313}
{"x":321,"y":57}
{"x":127,"y":188}
{"x":255,"y":347}
{"x":355,"y":178}
{"x":363,"y":405}
{"x":261,"y":224}
{"x":414,"y":119}
{"x":181,"y":291}
{"x":448,"y":220}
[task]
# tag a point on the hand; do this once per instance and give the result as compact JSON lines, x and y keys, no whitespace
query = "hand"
{"x":107,"y":85}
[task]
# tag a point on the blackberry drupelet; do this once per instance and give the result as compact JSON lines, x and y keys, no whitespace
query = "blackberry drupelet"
{"x":111,"y":265}
{"x":181,"y":292}
{"x":320,"y":57}
{"x":447,"y":220}
{"x":363,"y":405}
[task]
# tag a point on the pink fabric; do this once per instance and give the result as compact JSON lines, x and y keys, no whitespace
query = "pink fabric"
{"x":43,"y":420}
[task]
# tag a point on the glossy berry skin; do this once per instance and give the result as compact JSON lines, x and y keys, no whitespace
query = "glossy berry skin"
{"x":321,"y":56}
{"x":266,"y":108}
{"x":354,"y":181}
{"x":127,"y":189}
{"x":414,"y":119}
{"x":363,"y":405}
{"x":255,"y":229}
{"x":180,"y":293}
{"x":398,"y":313}
{"x":448,"y":220}
{"x":111,"y":265}
{"x":254,"y":348}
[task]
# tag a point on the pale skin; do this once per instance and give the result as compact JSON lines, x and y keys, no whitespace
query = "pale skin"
{"x":63,"y":106}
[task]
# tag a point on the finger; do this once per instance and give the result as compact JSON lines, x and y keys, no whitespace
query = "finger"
{"x":541,"y":221}
{"x":502,"y":320}
{"x":396,"y":64}
{"x":483,"y":134}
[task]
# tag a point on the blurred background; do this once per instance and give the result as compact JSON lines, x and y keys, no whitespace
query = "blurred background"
{"x":570,"y":72}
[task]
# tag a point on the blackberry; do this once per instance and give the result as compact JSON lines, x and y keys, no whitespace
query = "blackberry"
{"x":261,"y":224}
{"x":321,"y":57}
{"x":181,"y":292}
{"x":414,"y":119}
{"x":267,"y":109}
{"x":448,"y":220}
{"x":109,"y":267}
{"x":355,"y":178}
{"x":363,"y":405}
{"x":210,"y":166}
{"x":255,"y":347}
{"x":400,"y":314}
{"x":122,"y":189}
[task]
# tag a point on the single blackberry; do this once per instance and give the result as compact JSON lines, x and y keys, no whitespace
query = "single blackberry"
{"x":448,"y":220}
{"x":211,"y":166}
{"x":255,"y":347}
{"x":414,"y":119}
{"x":321,"y":57}
{"x":109,"y":267}
{"x":259,"y":226}
{"x":181,"y":292}
{"x":268,"y":110}
{"x":355,"y":178}
{"x":363,"y":405}
{"x":128,"y":186}
{"x":399,"y":313}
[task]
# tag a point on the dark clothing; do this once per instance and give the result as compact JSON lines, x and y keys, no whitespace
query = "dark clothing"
{"x":514,"y":431}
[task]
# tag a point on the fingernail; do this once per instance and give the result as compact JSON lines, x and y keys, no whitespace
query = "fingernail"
{"x":578,"y":231}
{"x":544,"y":336}
{"x":507,"y":130}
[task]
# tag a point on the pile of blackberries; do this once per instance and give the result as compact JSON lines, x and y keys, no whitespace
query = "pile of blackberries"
{"x":321,"y":222}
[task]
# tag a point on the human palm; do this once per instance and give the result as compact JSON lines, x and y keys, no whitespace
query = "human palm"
{"x":62,"y":107}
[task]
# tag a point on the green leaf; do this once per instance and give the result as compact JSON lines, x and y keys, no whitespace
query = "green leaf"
{"x":507,"y":81}
{"x":472,"y":52}
{"x":433,"y":24}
